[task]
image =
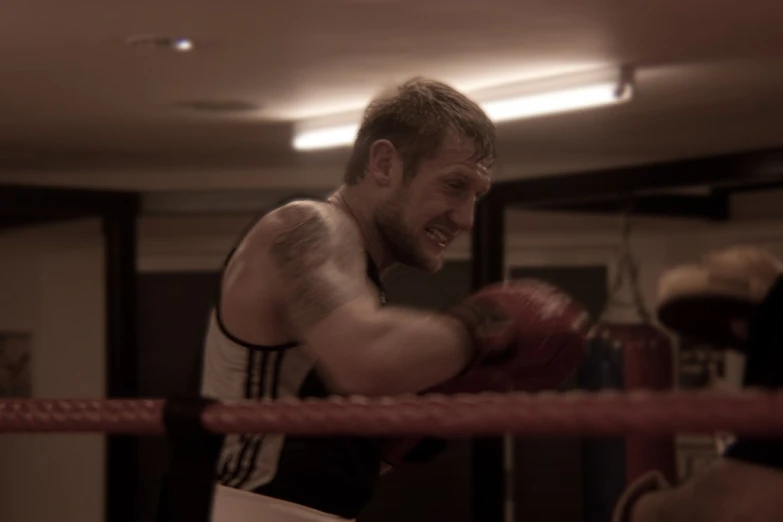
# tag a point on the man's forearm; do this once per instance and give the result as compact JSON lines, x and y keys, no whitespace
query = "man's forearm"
{"x":727,"y":491}
{"x":392,"y":351}
{"x":422,"y":349}
{"x":664,"y":506}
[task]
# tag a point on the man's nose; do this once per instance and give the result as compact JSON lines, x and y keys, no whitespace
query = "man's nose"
{"x":463,"y":216}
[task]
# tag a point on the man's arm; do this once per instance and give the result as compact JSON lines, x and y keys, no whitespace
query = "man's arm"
{"x":726,"y":491}
{"x":320,"y":270}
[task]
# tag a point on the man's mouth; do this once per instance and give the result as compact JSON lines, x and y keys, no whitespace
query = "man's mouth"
{"x":438,"y":236}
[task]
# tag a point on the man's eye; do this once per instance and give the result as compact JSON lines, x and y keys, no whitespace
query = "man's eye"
{"x":456,"y":185}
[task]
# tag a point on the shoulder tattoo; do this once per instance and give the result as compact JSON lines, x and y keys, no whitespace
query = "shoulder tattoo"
{"x":319,"y":260}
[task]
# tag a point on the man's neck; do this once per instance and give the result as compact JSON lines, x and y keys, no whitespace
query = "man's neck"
{"x":372,"y":239}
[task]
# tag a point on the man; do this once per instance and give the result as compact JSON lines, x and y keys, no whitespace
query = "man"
{"x":734,"y":298}
{"x":300,"y":309}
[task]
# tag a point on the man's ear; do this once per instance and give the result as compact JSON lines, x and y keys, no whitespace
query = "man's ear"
{"x":382,"y":161}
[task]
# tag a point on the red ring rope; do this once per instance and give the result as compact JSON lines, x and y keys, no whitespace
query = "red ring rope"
{"x":573,"y":413}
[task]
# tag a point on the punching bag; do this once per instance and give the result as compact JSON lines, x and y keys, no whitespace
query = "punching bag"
{"x":603,"y":458}
{"x":647,"y":357}
{"x":628,"y":356}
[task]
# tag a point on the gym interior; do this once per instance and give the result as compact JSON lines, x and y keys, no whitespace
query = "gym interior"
{"x":138,"y":141}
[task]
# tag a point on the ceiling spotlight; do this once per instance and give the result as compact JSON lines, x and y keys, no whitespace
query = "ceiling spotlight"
{"x":183,"y":45}
{"x":166,"y":43}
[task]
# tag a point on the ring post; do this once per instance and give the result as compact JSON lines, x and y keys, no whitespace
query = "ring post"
{"x":489,"y":478}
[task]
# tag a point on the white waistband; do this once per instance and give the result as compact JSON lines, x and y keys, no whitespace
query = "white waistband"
{"x":234,"y":505}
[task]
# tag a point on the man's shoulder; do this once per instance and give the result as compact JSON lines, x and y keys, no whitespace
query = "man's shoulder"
{"x":294,"y":213}
{"x":308,"y":222}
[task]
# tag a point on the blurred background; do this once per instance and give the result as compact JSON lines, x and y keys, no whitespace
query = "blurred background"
{"x":139,"y":139}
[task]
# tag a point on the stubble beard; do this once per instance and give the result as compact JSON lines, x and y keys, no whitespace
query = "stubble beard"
{"x":401,"y":242}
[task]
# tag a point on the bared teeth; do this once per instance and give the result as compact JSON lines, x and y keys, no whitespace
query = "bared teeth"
{"x":437,"y":236}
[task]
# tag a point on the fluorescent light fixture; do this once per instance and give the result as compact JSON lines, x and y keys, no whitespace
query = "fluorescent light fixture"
{"x":508,"y":102}
{"x":551,"y":102}
{"x":326,"y":137}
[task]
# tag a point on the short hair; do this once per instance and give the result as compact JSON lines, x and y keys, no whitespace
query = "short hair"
{"x":416,"y":116}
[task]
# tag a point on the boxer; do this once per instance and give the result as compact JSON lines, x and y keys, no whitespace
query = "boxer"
{"x":300,"y":311}
{"x":739,"y":292}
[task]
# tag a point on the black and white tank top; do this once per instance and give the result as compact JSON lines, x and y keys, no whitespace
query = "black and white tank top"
{"x":337,"y":475}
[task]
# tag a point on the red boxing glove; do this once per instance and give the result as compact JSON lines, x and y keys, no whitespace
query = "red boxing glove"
{"x":422,"y":449}
{"x":527,"y":335}
{"x":529,"y":329}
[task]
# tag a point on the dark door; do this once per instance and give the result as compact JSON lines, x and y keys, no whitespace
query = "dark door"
{"x":172,"y":320}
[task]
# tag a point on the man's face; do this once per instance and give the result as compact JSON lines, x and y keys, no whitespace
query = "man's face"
{"x":425,"y":213}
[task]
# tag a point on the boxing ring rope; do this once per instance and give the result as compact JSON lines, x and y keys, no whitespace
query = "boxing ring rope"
{"x":752,"y":412}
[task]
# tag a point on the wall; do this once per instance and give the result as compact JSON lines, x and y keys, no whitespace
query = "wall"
{"x":52,"y":280}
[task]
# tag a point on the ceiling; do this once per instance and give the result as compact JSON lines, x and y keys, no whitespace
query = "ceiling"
{"x":78,"y":106}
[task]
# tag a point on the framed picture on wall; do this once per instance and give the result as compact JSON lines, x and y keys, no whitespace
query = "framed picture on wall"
{"x":15,"y":371}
